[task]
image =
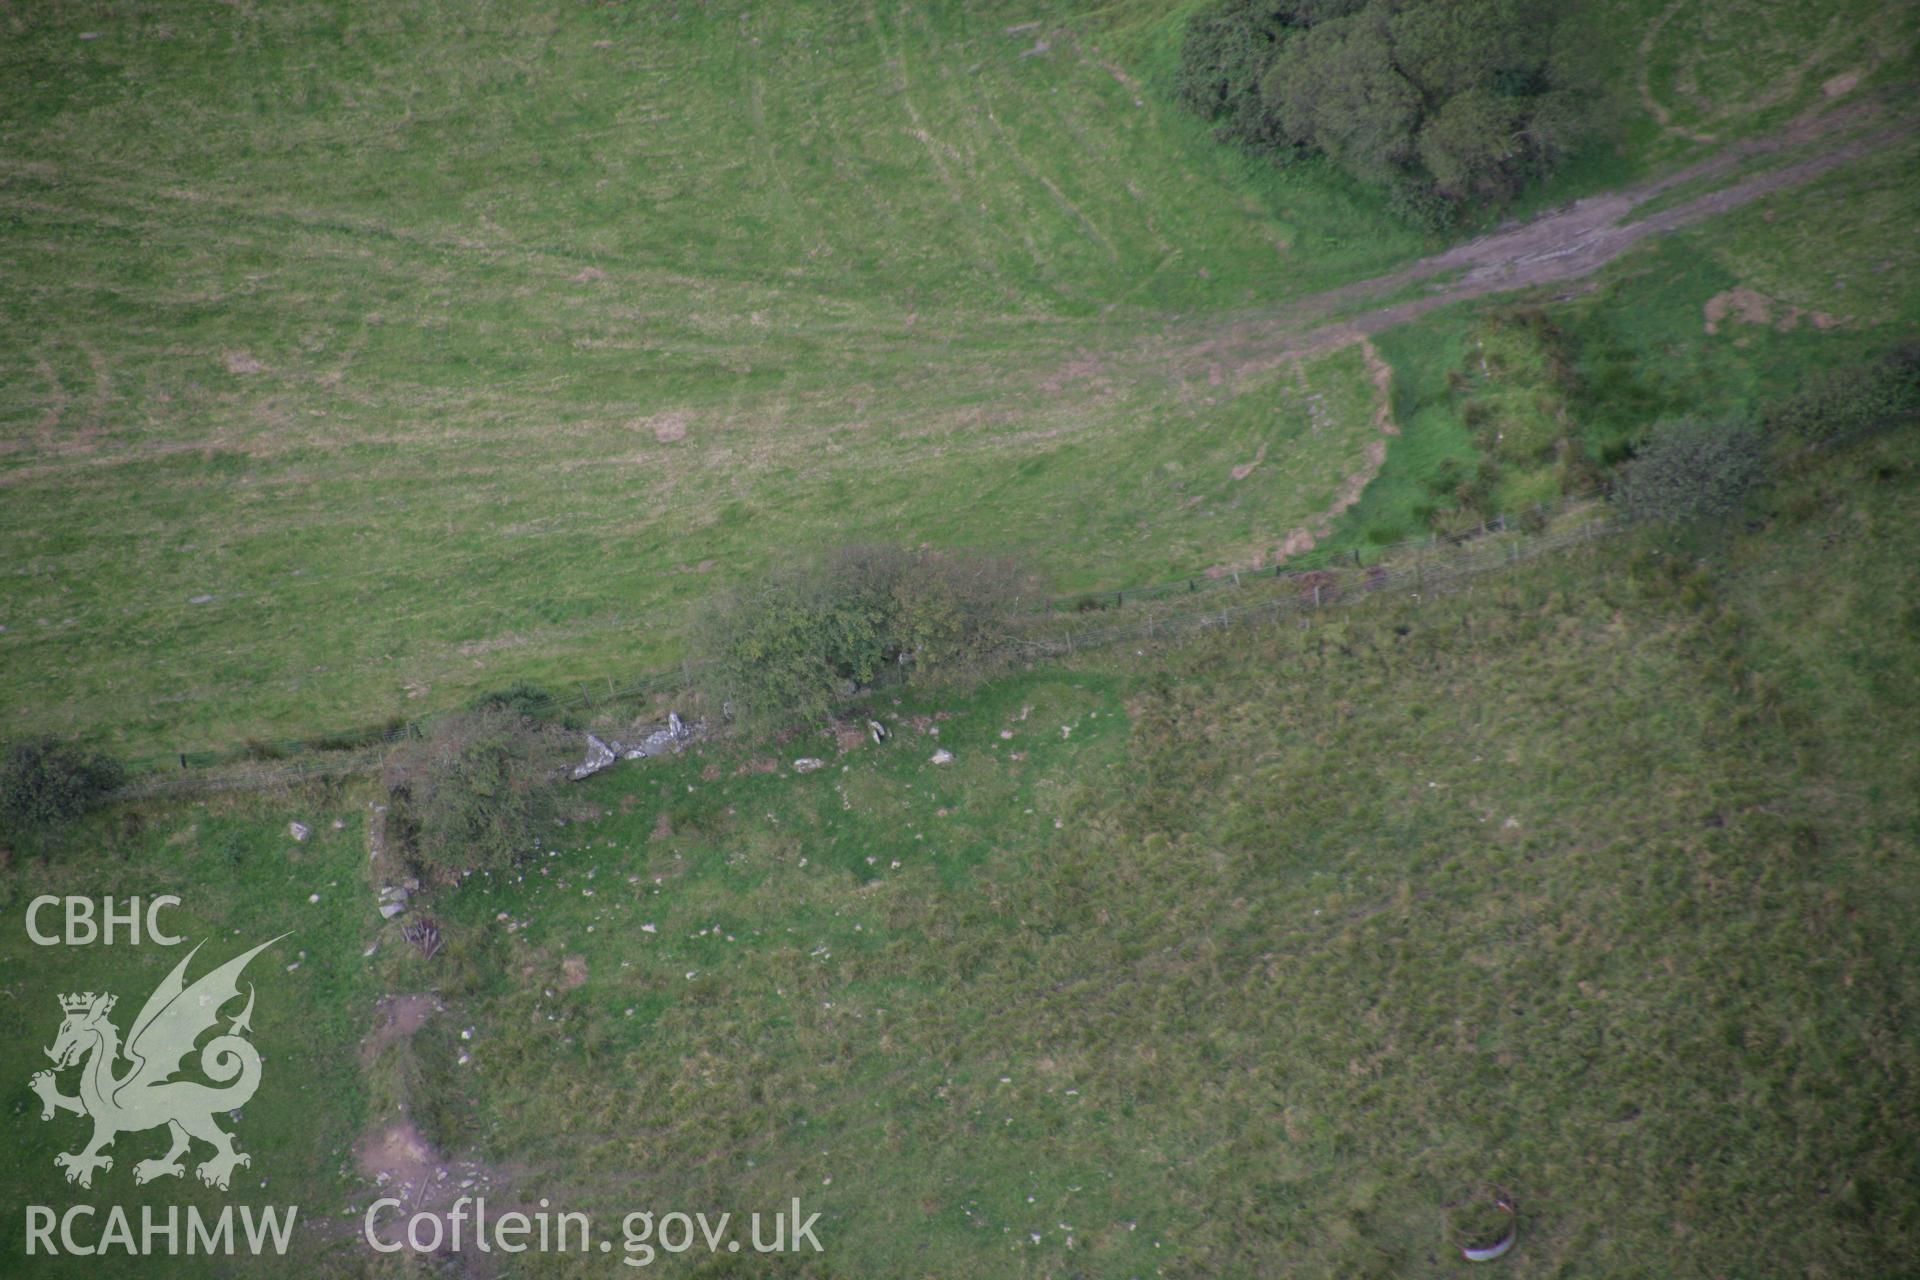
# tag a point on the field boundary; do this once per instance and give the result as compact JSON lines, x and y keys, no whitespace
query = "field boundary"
{"x":1321,"y":579}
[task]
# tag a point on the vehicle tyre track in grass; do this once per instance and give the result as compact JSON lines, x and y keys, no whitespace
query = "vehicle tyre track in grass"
{"x":1561,"y":246}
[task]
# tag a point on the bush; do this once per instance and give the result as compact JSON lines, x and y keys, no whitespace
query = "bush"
{"x":1849,"y":403}
{"x":1691,"y":469}
{"x":785,"y":648}
{"x":45,"y":783}
{"x":475,"y":794}
{"x":520,"y":698}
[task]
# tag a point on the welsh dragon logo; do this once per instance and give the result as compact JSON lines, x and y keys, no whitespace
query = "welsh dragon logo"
{"x":146,"y":1095}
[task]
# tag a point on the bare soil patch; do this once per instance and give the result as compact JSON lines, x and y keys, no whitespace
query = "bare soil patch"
{"x":1750,"y":306}
{"x":666,"y":427}
{"x":400,"y":1017}
{"x":397,"y":1155}
{"x":1089,"y":369}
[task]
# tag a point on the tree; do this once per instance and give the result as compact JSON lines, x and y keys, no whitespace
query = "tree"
{"x":1469,"y":147}
{"x":785,"y":648}
{"x":1691,"y":469}
{"x":46,"y":783}
{"x":1335,"y":89}
{"x":474,"y":794}
{"x":1226,"y":49}
{"x":1449,"y":105}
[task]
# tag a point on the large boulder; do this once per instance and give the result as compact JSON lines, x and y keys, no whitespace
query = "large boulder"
{"x":599,"y":756}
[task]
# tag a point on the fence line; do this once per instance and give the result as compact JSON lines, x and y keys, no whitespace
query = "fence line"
{"x":1341,"y":579}
{"x":1325,"y":558}
{"x":1322,"y":589}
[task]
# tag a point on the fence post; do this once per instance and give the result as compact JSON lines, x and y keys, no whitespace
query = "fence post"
{"x":183,"y":760}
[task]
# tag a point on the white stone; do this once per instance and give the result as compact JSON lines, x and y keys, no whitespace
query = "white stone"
{"x":599,"y":756}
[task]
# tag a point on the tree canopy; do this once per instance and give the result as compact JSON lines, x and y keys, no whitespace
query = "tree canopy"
{"x":1451,"y":105}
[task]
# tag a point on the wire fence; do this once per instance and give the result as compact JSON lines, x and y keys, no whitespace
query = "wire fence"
{"x":1304,"y":584}
{"x":1316,"y":589}
{"x":1540,"y":516}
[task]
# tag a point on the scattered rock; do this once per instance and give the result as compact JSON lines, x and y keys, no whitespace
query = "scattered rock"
{"x":655,"y":740}
{"x":878,"y":730}
{"x":599,"y":756}
{"x":942,"y":756}
{"x":201,"y":600}
{"x":1842,"y":83}
{"x":388,"y":910}
{"x":299,"y":831}
{"x":807,"y":764}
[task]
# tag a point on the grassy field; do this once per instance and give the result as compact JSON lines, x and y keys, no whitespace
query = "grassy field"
{"x":454,"y":350}
{"x":353,"y":361}
{"x":438,"y":346}
{"x":242,"y":880}
{"x":1259,"y":955}
{"x":1712,"y":320}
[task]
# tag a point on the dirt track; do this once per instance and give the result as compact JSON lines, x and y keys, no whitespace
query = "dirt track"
{"x":1563,"y":245}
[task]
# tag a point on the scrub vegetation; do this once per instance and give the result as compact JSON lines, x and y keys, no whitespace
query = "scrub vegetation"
{"x":1269,"y":951}
{"x":423,"y":361}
